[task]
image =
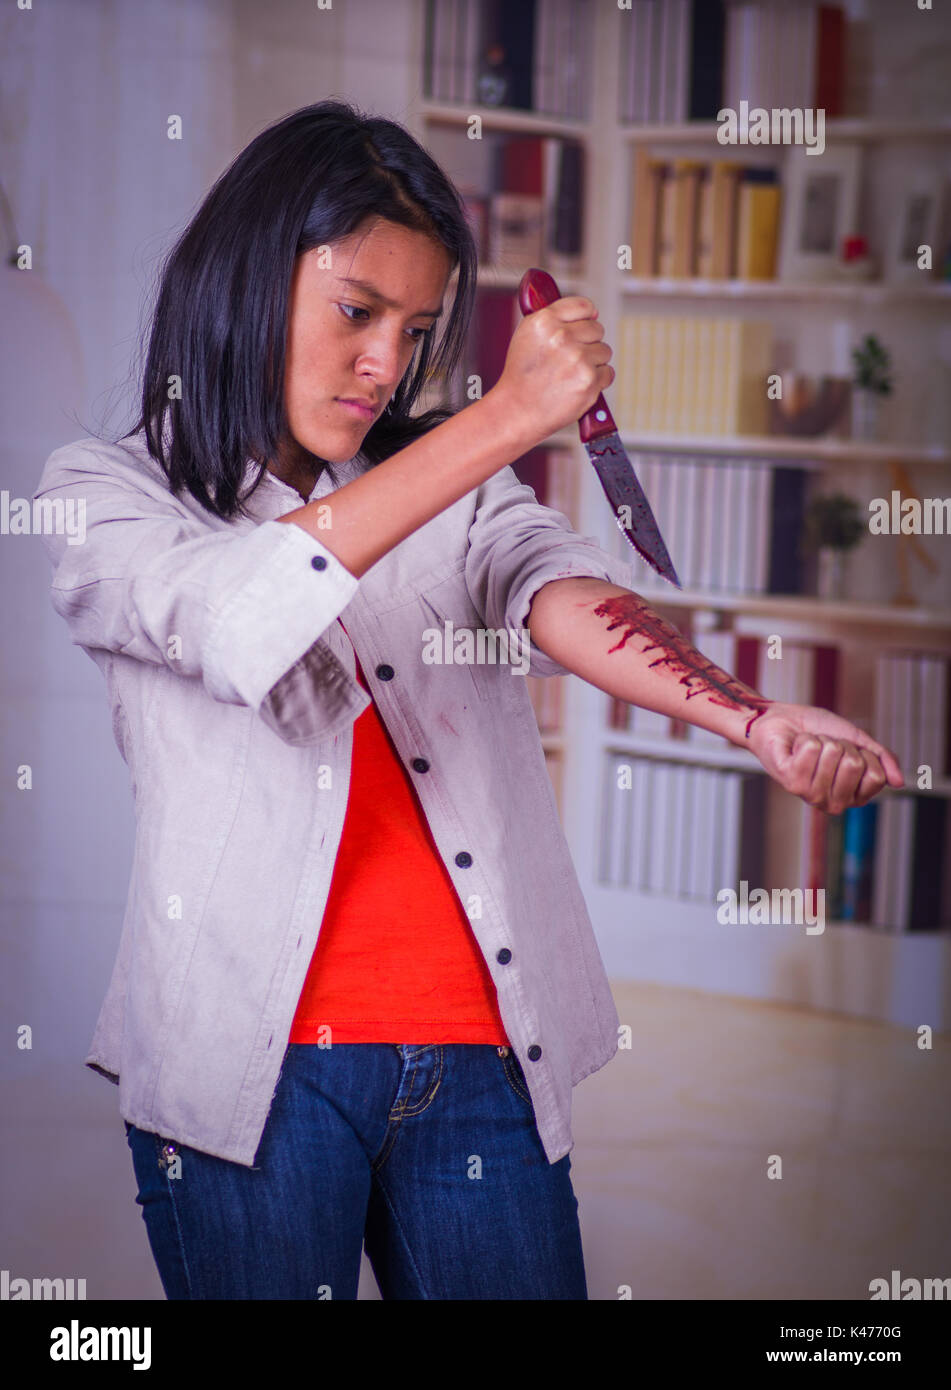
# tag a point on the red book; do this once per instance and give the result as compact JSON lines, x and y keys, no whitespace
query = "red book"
{"x":494,"y":325}
{"x":521,"y":165}
{"x":830,"y":59}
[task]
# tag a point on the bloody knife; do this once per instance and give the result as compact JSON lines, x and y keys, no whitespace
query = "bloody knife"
{"x":600,"y":438}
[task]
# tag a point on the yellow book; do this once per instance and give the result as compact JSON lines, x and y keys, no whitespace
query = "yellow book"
{"x":724,"y":195}
{"x":626,"y":365}
{"x":692,"y":386}
{"x":705,"y":222}
{"x":676,"y":388}
{"x":703,"y":405}
{"x":645,"y":356}
{"x":758,"y":225}
{"x":658,"y":374}
{"x":645,"y":218}
{"x":687,"y":174}
{"x":667,"y":221}
{"x":723,"y":375}
{"x":754,"y":345}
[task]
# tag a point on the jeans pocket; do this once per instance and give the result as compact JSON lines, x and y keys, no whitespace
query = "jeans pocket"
{"x":512,"y":1071}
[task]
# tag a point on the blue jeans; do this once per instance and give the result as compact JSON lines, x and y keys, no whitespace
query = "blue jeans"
{"x":428,"y":1155}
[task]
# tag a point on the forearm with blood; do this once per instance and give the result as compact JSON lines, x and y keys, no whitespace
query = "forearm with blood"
{"x":636,"y":626}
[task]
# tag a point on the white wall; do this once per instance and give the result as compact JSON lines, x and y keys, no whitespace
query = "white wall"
{"x":99,"y":193}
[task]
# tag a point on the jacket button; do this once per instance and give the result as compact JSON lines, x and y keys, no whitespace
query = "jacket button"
{"x":534,"y":1052}
{"x":420,"y":765}
{"x":385,"y":673}
{"x":504,"y":956}
{"x":319,"y":562}
{"x":463,"y":859}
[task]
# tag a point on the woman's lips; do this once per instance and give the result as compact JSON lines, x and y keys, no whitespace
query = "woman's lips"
{"x":361,"y":412}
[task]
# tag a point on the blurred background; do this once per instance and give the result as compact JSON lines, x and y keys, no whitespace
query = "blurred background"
{"x":782,"y":338}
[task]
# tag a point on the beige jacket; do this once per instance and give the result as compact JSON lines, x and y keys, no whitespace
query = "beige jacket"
{"x":233,"y":697}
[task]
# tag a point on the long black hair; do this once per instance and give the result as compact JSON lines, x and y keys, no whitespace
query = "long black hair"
{"x":220,"y":319}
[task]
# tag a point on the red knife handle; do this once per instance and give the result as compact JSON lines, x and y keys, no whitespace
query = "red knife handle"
{"x":537,"y":290}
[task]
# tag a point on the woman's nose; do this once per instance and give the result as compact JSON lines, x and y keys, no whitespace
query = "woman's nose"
{"x":386,"y":359}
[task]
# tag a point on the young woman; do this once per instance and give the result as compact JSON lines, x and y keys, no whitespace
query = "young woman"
{"x":356,"y":981}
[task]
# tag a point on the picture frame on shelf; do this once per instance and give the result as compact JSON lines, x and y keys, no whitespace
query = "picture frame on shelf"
{"x":919,"y":218}
{"x":821,"y":210}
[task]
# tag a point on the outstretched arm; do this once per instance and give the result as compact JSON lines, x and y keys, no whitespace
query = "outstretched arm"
{"x":611,"y":637}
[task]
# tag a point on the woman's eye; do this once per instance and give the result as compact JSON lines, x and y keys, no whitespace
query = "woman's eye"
{"x":415,"y":333}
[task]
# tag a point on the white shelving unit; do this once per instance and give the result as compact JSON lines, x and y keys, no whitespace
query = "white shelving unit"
{"x":852,"y":968}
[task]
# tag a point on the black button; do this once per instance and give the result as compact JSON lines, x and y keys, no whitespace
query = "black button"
{"x":504,"y":956}
{"x":385,"y":673}
{"x":319,"y":562}
{"x":534,"y":1052}
{"x":420,"y":765}
{"x":463,"y":859}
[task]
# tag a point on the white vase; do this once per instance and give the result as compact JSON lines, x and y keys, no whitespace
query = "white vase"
{"x":866,"y":414}
{"x":832,"y":573}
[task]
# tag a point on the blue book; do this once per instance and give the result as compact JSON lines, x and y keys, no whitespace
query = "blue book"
{"x":858,"y":848}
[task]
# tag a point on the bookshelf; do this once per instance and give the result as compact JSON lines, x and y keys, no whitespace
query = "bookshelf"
{"x":852,"y":966}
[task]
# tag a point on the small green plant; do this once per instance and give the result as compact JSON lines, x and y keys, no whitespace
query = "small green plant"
{"x":872,"y":366}
{"x":834,"y":521}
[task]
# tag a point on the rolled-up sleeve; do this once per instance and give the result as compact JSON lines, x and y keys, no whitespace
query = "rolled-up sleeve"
{"x":241,"y":609}
{"x":516,"y":546}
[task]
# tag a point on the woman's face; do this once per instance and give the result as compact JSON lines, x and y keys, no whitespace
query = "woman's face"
{"x":351,"y":341}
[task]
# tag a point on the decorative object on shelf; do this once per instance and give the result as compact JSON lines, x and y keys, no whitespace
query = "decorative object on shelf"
{"x":821,"y":199}
{"x":873,"y":383}
{"x":810,"y":406}
{"x":907,"y":545}
{"x":856,"y":263}
{"x":834,"y":526}
{"x":494,"y":84}
{"x":919,"y":223}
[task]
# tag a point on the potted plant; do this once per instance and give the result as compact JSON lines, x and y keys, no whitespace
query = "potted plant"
{"x":834,"y":526}
{"x":873,"y":382}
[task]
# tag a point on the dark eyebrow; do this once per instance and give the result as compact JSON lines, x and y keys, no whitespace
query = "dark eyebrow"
{"x":374,"y":293}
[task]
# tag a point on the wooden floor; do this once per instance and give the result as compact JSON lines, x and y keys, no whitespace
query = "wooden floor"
{"x":674,"y":1138}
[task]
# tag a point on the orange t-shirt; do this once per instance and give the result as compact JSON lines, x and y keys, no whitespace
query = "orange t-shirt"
{"x":396,"y":959}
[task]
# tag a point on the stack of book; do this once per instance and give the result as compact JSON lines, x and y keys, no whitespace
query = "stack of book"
{"x":678,"y":830}
{"x":908,"y":867}
{"x":913,"y":710}
{"x":704,"y":376}
{"x":534,"y":55}
{"x":686,"y":59}
{"x":887,"y":862}
{"x":730,"y":525}
{"x":707,"y":219}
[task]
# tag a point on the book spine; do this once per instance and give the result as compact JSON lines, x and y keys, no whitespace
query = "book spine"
{"x":857,"y":856}
{"x":707,"y":31}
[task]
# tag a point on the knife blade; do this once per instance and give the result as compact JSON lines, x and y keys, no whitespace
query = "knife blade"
{"x":607,"y":454}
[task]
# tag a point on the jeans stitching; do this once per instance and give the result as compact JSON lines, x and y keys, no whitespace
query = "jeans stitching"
{"x":394,"y":1216}
{"x":398,"y":1113}
{"x":426,"y":1100}
{"x":511,"y":1076}
{"x":159,"y":1145}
